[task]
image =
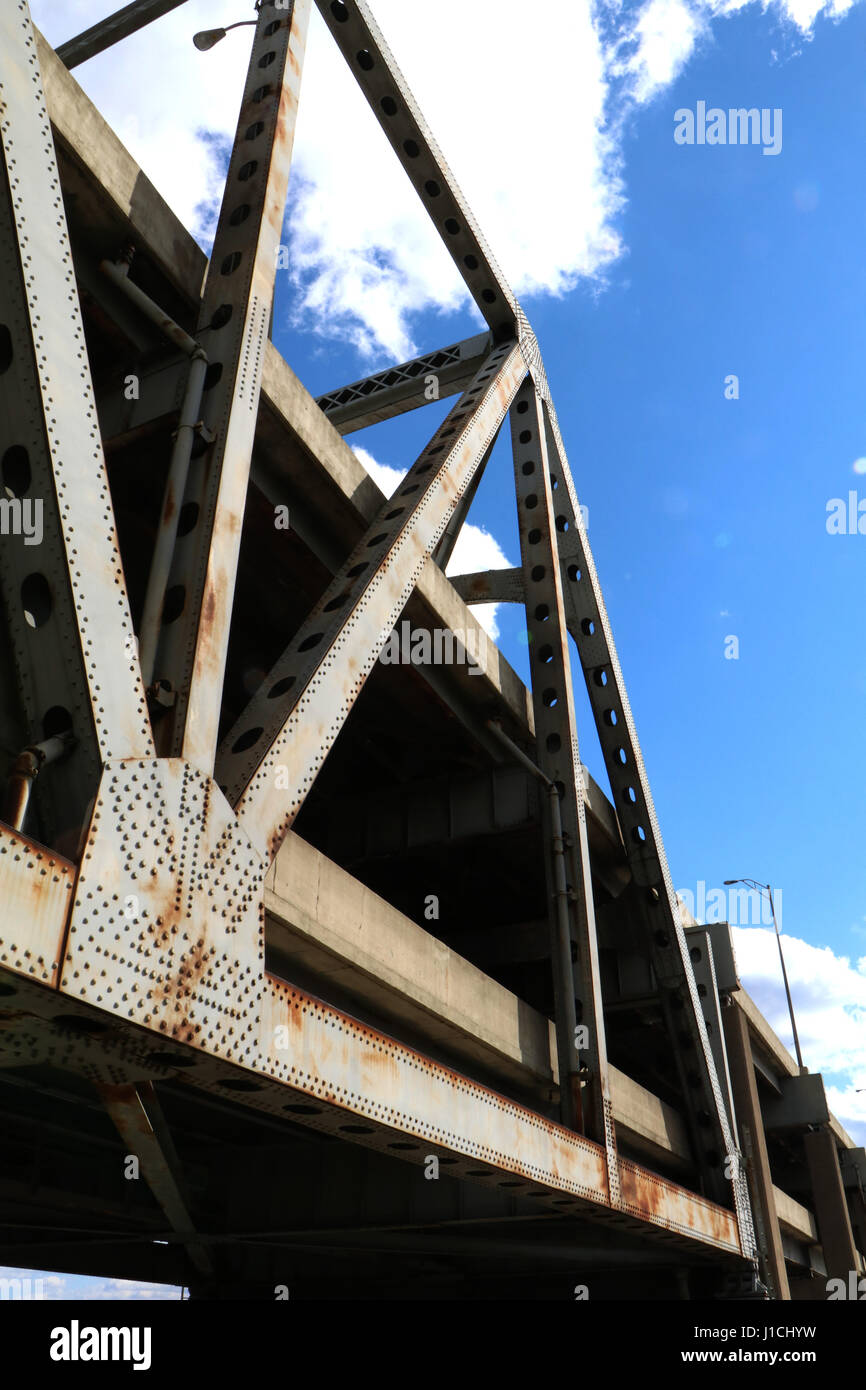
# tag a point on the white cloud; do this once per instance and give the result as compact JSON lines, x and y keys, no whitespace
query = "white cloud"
{"x":475,"y":549}
{"x":386,"y":478}
{"x":663,"y":36}
{"x":829,"y":996}
{"x":538,"y":156}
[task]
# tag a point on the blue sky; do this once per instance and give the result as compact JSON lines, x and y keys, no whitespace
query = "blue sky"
{"x":651,"y":271}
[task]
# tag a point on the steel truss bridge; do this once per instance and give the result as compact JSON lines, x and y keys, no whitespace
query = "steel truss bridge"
{"x":238,"y":1052}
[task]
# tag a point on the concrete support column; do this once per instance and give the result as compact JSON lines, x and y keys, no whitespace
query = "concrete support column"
{"x":831,"y":1207}
{"x":748,"y":1112}
{"x":858,"y":1212}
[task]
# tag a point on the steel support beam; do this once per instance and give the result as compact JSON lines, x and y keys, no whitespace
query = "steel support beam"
{"x":112,"y":29}
{"x":405,"y":387}
{"x":233,"y":327}
{"x":445,"y":549}
{"x":490,"y":586}
{"x":65,"y":598}
{"x":377,"y":74}
{"x":656,"y":904}
{"x":584,"y":1081}
{"x":267,"y":763}
{"x":138,"y":1118}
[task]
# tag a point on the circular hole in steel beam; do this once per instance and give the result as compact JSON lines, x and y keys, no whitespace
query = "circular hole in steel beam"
{"x":281,"y":687}
{"x":247,"y":740}
{"x":36,"y":600}
{"x":15,"y":469}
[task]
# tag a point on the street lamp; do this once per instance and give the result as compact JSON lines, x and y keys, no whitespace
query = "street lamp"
{"x":207,"y":38}
{"x":765,"y":887}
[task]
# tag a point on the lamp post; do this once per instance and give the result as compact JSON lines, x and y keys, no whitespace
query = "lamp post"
{"x":207,"y":38}
{"x":765,"y":887}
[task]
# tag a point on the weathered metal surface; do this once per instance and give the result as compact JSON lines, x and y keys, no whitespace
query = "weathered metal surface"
{"x":35,"y":897}
{"x":406,"y":386}
{"x":490,"y":586}
{"x":167,"y":932}
{"x":167,"y":928}
{"x":233,"y":327}
{"x":164,"y":962}
{"x":268,"y":760}
{"x":584,"y":1081}
{"x":658,"y":907}
{"x":136,"y":1114}
{"x":655,"y":1199}
{"x":65,"y":597}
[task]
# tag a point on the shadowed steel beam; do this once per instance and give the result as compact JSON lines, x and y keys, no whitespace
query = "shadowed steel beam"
{"x":270,"y":757}
{"x":658,"y":909}
{"x":445,"y":549}
{"x":68,"y":614}
{"x":233,"y":329}
{"x":138,"y":1118}
{"x":490,"y":586}
{"x":373,"y":66}
{"x":583,"y":1075}
{"x":405,"y":387}
{"x":112,"y":29}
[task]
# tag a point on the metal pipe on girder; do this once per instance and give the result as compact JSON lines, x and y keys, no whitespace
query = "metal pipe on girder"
{"x":25,"y":769}
{"x":188,"y":423}
{"x":569,"y":1086}
{"x":118,"y":273}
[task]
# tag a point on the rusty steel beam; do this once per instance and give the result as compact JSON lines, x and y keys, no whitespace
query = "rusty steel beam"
{"x":233,"y":327}
{"x":65,"y":598}
{"x":584,"y":1081}
{"x":138,"y":1118}
{"x":392,"y":103}
{"x":36,"y":889}
{"x":112,"y":29}
{"x":490,"y":586}
{"x":392,"y":392}
{"x":269,"y":758}
{"x":713,"y":1141}
{"x":334,"y":1072}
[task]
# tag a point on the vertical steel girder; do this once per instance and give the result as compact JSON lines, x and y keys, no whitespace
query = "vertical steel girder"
{"x":657,"y":904}
{"x":139,"y":1120}
{"x":233,"y":327}
{"x":577,"y":988}
{"x":269,"y":759}
{"x":112,"y":29}
{"x":65,"y":598}
{"x":373,"y":67}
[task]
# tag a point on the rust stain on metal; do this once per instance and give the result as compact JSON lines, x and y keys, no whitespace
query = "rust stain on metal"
{"x":37,"y":896}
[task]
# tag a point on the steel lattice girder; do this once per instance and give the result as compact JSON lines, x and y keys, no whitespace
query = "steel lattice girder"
{"x":269,"y":758}
{"x":233,"y":325}
{"x":405,"y":387}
